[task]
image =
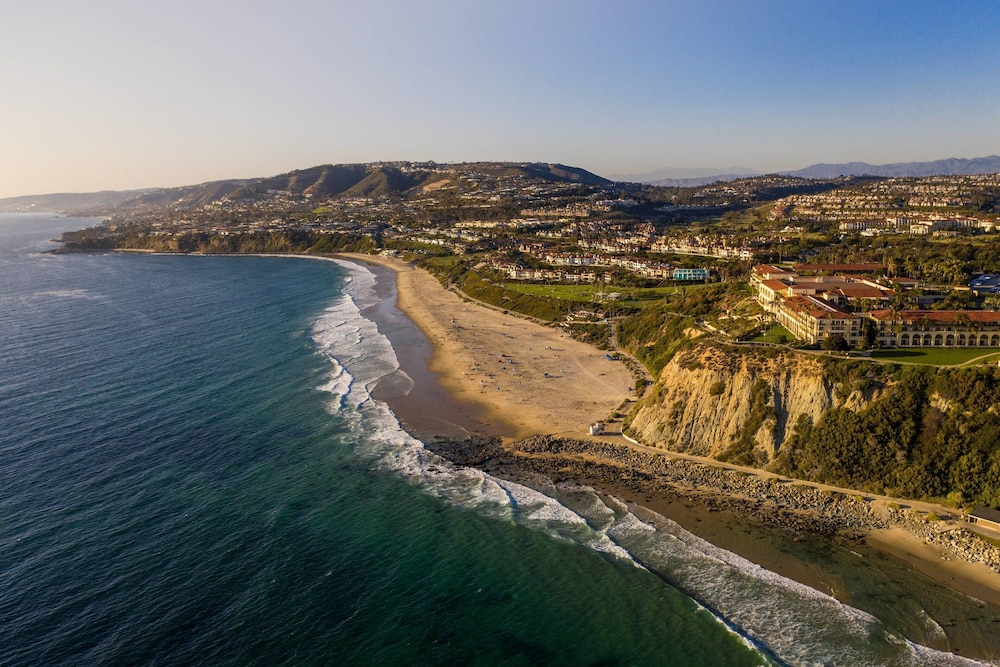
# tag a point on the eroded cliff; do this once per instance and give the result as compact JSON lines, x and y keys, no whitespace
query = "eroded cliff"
{"x":738,"y":404}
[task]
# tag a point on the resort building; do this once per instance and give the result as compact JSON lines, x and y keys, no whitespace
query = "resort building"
{"x":812,"y":308}
{"x":937,"y":328}
{"x":863,"y":269}
{"x":691,"y":274}
{"x":814,"y":320}
{"x":774,"y":285}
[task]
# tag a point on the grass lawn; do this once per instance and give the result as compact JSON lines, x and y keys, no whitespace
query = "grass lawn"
{"x":632,"y":296}
{"x":446,"y":261}
{"x":938,"y":356}
{"x":776,"y":334}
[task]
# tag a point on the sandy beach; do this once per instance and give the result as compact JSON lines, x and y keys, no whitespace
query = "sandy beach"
{"x":527,"y":378}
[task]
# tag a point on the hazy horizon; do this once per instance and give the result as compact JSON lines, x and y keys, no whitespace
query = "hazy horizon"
{"x":110,"y":96}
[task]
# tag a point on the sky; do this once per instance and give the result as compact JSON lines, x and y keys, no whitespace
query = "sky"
{"x":118,"y":94}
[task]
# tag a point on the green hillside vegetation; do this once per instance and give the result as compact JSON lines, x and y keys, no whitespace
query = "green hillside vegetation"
{"x":654,"y":336}
{"x":659,"y":332}
{"x":479,"y":288}
{"x":934,"y":433}
{"x":630,"y":296}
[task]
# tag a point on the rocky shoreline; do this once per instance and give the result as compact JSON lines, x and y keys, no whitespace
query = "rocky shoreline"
{"x":765,"y":500}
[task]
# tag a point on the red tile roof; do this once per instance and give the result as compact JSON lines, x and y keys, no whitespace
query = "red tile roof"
{"x":857,"y":291}
{"x":775,"y":284}
{"x":814,"y":308}
{"x":948,"y":316}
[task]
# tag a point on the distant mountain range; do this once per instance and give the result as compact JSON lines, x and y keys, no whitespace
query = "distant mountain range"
{"x":97,"y":202}
{"x":697,"y":181}
{"x":65,"y":201}
{"x":947,"y":167}
{"x":353,"y":180}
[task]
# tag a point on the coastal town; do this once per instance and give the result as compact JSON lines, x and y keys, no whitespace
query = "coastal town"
{"x":803,"y":353}
{"x":859,"y":262}
{"x":491,"y":333}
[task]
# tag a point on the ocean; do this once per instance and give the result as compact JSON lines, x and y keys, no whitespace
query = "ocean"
{"x":193,"y":470}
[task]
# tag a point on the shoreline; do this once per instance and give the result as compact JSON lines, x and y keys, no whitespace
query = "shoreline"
{"x":460,"y":342}
{"x":468,"y":342}
{"x":797,"y":532}
{"x":501,"y":373}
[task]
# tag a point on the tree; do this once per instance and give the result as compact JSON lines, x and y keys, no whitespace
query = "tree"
{"x":955,"y":300}
{"x":870,"y":332}
{"x":836,"y":343}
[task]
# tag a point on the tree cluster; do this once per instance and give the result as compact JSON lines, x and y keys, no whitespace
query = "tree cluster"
{"x":931,"y":434}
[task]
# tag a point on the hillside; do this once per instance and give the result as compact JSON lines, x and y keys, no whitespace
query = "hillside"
{"x":324,"y":181}
{"x":186,"y":197}
{"x":671,"y":178}
{"x":562,"y":173}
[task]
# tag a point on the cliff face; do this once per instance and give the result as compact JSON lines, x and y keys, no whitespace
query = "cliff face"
{"x":708,"y":400}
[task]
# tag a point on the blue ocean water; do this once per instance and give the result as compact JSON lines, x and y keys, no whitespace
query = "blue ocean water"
{"x":193,"y":471}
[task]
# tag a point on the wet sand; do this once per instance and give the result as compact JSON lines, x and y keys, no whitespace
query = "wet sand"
{"x":502,"y":375}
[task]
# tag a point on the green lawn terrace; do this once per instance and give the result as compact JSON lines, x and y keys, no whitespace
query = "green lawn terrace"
{"x":925,"y":356}
{"x":938,"y":356}
{"x":636,"y":297}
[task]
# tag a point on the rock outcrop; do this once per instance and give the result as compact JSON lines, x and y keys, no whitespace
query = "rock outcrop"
{"x":707,"y":399}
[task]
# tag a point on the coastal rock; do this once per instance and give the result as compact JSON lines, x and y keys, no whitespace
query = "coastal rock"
{"x":704,"y":400}
{"x":765,"y":499}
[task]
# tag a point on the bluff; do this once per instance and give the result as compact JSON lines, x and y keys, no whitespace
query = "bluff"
{"x":905,"y":431}
{"x":717,"y":403}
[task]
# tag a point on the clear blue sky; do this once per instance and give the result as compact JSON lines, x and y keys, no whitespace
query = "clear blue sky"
{"x":119,"y":94}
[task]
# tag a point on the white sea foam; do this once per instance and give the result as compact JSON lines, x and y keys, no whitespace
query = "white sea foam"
{"x":798,"y":624}
{"x":71,"y":294}
{"x":339,"y":384}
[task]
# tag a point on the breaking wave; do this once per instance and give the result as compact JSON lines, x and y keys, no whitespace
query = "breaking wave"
{"x":786,"y":621}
